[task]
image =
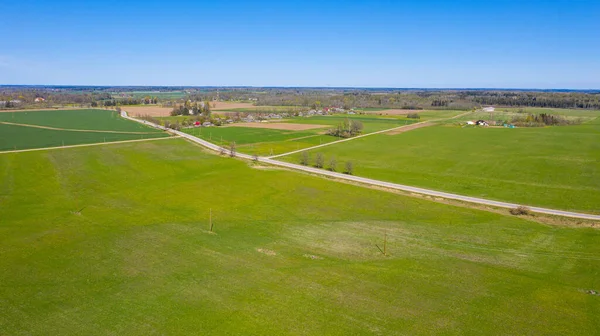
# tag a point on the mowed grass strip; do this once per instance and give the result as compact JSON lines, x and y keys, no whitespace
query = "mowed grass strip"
{"x":114,"y":240}
{"x":13,"y":137}
{"x":555,"y":167}
{"x":84,"y":119}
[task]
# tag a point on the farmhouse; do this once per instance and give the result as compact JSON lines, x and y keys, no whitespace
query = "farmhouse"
{"x":39,"y":100}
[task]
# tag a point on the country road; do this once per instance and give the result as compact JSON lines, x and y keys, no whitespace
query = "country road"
{"x":372,"y":182}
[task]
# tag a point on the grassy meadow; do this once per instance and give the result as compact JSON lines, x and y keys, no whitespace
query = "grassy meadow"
{"x":114,"y":240}
{"x":557,"y":167}
{"x":15,"y":137}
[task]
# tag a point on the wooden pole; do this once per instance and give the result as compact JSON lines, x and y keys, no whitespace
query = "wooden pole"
{"x":210,"y":220}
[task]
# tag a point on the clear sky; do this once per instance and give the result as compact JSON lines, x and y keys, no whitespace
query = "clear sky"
{"x":417,"y":43}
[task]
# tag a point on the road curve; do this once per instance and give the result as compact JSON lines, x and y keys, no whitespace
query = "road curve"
{"x":394,"y":186}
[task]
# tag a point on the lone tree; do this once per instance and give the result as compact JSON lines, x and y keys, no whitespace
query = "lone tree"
{"x":206,"y":109}
{"x":304,"y":159}
{"x":349,"y":167}
{"x":255,"y":157}
{"x":232,"y":149}
{"x":332,"y":163}
{"x":320,"y":160}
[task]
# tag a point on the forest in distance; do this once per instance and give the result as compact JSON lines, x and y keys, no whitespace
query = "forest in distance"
{"x":14,"y":97}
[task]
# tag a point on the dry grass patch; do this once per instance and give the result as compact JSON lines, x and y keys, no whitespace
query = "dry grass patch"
{"x":154,"y":111}
{"x":281,"y":126}
{"x":219,"y":106}
{"x":409,"y":128}
{"x":266,"y":251}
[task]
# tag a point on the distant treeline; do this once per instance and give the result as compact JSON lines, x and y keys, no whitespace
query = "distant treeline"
{"x":414,"y":99}
{"x":538,"y":99}
{"x":406,"y":99}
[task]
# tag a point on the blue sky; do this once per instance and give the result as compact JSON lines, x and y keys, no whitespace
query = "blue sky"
{"x":493,"y":44}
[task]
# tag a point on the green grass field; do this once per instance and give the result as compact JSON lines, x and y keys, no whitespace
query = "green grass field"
{"x":86,"y":119}
{"x":16,"y":137}
{"x":115,"y":241}
{"x":557,"y":167}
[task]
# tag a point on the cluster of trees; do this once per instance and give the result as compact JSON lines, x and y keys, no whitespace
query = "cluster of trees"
{"x":413,"y":116}
{"x":189,"y":108}
{"x":332,"y":164}
{"x":543,"y":119}
{"x":347,"y":129}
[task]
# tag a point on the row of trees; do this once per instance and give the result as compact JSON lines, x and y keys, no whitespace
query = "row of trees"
{"x":347,"y":129}
{"x":332,"y":164}
{"x":543,"y":119}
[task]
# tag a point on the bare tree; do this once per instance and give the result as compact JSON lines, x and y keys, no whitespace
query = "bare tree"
{"x":222,"y":150}
{"x":320,"y":160}
{"x":349,"y":167}
{"x":332,"y":163}
{"x":255,"y":157}
{"x":232,"y":150}
{"x":304,"y":159}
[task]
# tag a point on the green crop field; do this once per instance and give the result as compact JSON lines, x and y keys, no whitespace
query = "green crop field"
{"x":16,"y":137}
{"x":83,"y":119}
{"x":555,"y":167}
{"x":116,"y":241}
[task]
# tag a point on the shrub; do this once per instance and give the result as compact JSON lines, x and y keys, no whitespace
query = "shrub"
{"x":521,"y":210}
{"x":413,"y":116}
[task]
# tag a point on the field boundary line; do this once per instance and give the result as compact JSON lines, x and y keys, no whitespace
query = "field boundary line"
{"x":366,"y":135}
{"x":372,"y":182}
{"x":88,"y":145}
{"x":72,"y":129}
